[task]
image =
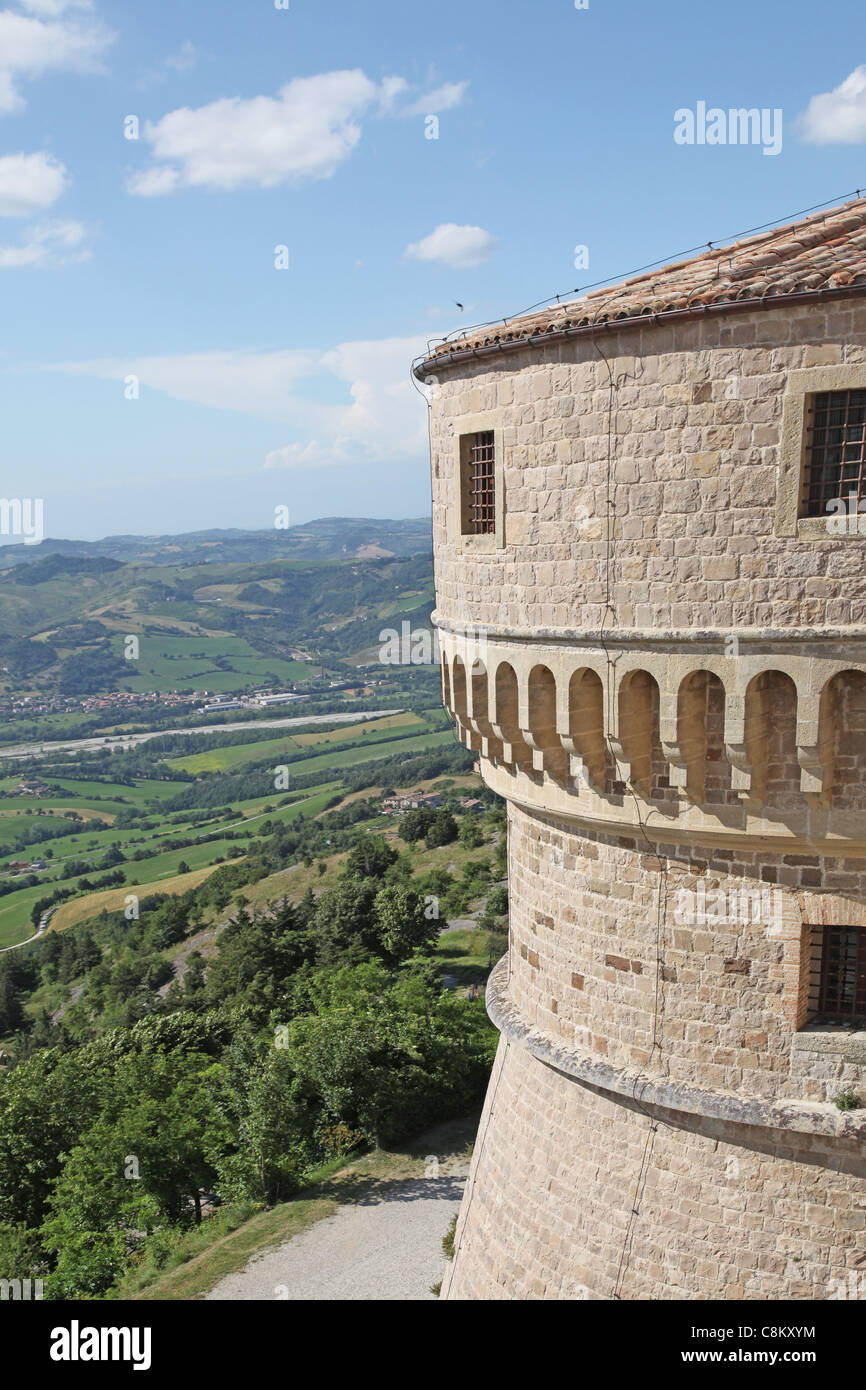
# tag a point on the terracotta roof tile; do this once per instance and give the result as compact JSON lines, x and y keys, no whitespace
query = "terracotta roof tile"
{"x":824,"y":251}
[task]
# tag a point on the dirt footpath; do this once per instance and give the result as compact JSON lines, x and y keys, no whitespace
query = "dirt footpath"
{"x":385,"y":1242}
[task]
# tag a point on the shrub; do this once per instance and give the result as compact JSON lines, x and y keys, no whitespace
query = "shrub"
{"x":848,"y":1100}
{"x":448,"y":1238}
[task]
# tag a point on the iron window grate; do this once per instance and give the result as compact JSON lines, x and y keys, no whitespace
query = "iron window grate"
{"x":836,"y":450}
{"x":482,"y":485}
{"x":839,"y":975}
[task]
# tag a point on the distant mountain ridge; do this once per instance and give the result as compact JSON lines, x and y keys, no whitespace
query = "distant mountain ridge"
{"x":327,"y":538}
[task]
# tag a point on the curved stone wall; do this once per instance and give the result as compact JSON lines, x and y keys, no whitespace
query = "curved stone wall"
{"x":578,"y":1192}
{"x":643,"y":479}
{"x":764,"y":740}
{"x":692,"y":973}
{"x":663,"y":670}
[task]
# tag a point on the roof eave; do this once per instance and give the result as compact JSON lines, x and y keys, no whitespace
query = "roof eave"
{"x":556,"y":335}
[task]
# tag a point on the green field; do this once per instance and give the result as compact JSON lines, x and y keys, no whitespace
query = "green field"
{"x":14,"y":820}
{"x":15,"y":908}
{"x":78,"y":910}
{"x":15,"y":915}
{"x":144,"y":791}
{"x":195,"y":663}
{"x":256,"y":806}
{"x":343,"y":734}
{"x":233,"y":755}
{"x":362,"y":749}
{"x":56,"y":805}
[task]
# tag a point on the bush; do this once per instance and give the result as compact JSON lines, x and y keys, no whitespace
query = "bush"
{"x":848,"y":1100}
{"x":448,"y":1238}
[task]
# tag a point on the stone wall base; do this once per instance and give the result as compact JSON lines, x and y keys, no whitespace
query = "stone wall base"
{"x":576,"y":1193}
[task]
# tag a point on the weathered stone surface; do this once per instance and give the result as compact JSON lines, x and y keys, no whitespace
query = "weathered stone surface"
{"x":671,"y":695}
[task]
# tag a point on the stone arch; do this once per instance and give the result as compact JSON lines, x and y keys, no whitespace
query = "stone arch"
{"x":461,"y":705}
{"x":458,"y":688}
{"x":507,"y":722}
{"x":446,"y":684}
{"x":542,"y":723}
{"x":639,"y":738}
{"x":771,"y":740}
{"x":586,"y":726}
{"x":701,"y":737}
{"x":842,"y":739}
{"x":491,"y":746}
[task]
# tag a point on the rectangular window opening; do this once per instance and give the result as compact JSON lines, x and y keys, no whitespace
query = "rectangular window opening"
{"x":835,"y":452}
{"x":837,"y":991}
{"x":479,"y":484}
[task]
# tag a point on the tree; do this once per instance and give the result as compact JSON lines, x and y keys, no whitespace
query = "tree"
{"x":11,"y":1012}
{"x":369,"y":858}
{"x":414,"y":824}
{"x":401,"y":913}
{"x":470,"y":833}
{"x":256,"y":956}
{"x":344,"y":923}
{"x":141,"y":1164}
{"x":45,"y":1102}
{"x":443,"y":829}
{"x":267,"y":1155}
{"x":386,"y":1058}
{"x":21,"y":1254}
{"x":194,"y":975}
{"x":497,"y":902}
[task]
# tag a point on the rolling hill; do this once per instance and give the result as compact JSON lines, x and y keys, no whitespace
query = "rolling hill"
{"x":320,"y":593}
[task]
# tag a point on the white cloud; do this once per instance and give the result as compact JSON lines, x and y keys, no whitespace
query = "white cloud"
{"x":184,"y":60}
{"x":306,"y":132}
{"x":837,"y":117}
{"x":391,"y":89}
{"x":29,"y":183}
{"x":381,"y":418}
{"x":155,"y":182}
{"x":453,"y":245}
{"x":443,"y":98}
{"x":384,"y":421}
{"x":44,"y":36}
{"x":46,"y":245}
{"x":53,"y":8}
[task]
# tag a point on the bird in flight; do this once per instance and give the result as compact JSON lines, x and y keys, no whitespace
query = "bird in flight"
{"x":459,"y":305}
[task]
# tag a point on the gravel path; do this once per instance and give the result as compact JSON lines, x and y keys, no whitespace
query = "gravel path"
{"x":387,"y":1244}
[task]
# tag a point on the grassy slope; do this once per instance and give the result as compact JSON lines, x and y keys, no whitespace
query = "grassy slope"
{"x":15,"y":915}
{"x":113,"y":899}
{"x":237,"y":754}
{"x":366,"y":751}
{"x":151,"y":873}
{"x":14,"y":811}
{"x":342,"y":734}
{"x":228,"y":1243}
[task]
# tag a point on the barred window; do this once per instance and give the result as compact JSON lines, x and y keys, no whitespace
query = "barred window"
{"x":835,"y":451}
{"x":479,"y":484}
{"x":838,"y":981}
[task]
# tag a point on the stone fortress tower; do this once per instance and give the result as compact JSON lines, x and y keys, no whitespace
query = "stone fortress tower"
{"x":651,"y":606}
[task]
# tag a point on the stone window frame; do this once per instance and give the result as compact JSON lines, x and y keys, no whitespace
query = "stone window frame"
{"x":469,"y":426}
{"x":803,"y":913}
{"x":801,"y":385}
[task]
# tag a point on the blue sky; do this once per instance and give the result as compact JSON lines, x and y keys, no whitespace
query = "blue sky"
{"x":306,"y":128}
